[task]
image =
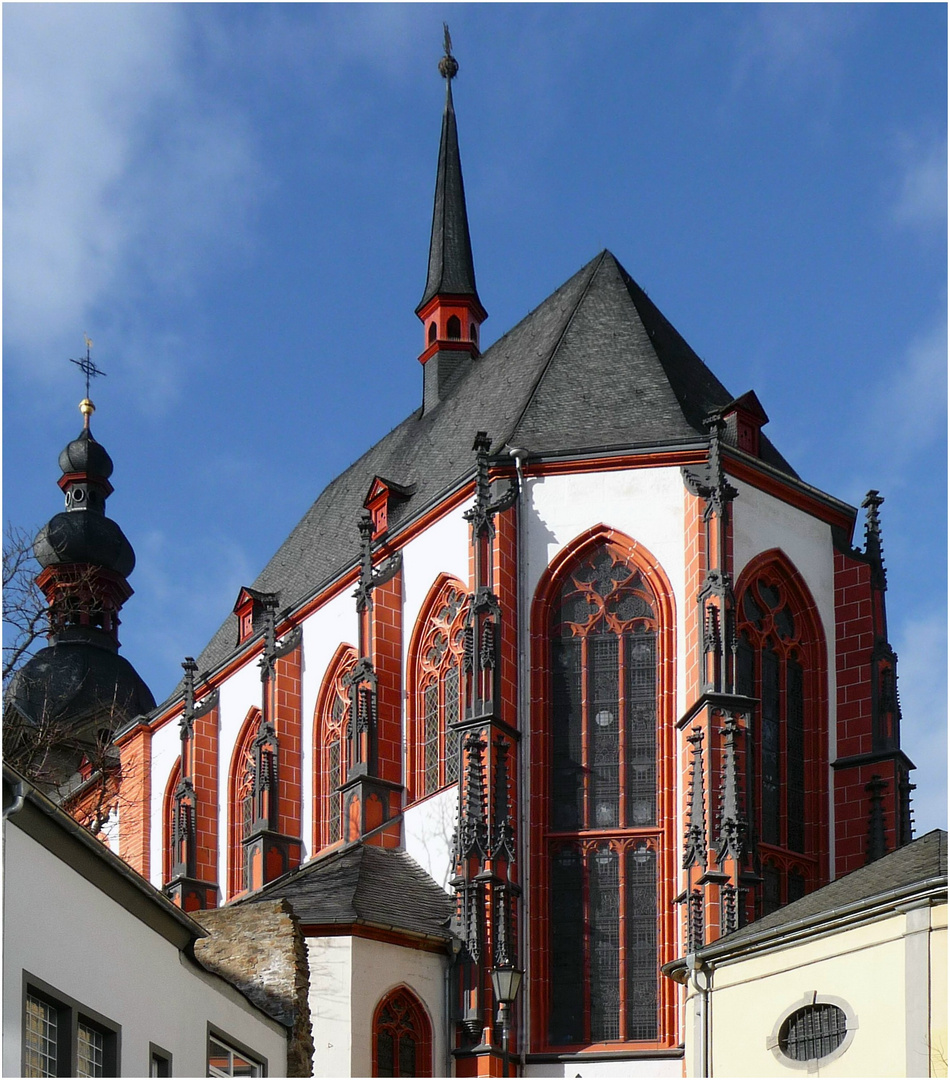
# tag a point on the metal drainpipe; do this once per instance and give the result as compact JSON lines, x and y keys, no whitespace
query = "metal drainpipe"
{"x":17,"y":805}
{"x":696,"y":968}
{"x":523,"y":697}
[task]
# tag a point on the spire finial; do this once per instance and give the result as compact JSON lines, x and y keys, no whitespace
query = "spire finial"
{"x":448,"y":65}
{"x":89,"y":369}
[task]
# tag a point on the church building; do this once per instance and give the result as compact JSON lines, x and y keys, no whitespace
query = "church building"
{"x":567,"y":678}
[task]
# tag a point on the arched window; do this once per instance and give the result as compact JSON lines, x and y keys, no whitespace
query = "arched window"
{"x":402,"y":1036}
{"x":241,"y":801}
{"x":453,"y":328}
{"x":331,"y":749}
{"x":168,"y":821}
{"x":437,"y":648}
{"x":432,"y":332}
{"x":605,"y":710}
{"x":778,"y":659}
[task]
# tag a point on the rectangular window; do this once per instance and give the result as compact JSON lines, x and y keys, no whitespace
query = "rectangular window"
{"x":159,"y":1061}
{"x":61,"y":1037}
{"x":227,"y":1057}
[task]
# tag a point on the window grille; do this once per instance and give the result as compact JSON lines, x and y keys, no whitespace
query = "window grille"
{"x":91,"y":1056}
{"x":40,"y":1038}
{"x":813,"y":1032}
{"x":439,"y":694}
{"x":226,"y":1060}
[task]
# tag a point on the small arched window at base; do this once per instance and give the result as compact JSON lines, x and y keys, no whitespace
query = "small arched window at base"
{"x":813,"y":1032}
{"x":402,"y":1036}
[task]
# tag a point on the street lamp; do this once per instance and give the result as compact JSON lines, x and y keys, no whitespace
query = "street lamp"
{"x":505,"y":982}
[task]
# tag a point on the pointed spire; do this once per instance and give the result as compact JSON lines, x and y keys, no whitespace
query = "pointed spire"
{"x":451,"y":267}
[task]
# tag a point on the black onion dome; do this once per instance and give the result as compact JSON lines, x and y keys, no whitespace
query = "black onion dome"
{"x":84,"y":537}
{"x":78,"y":683}
{"x":85,"y":455}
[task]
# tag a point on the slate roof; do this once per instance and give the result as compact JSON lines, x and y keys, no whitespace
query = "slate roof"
{"x":366,"y":885}
{"x":451,"y":266}
{"x":595,"y":367}
{"x":904,"y":869}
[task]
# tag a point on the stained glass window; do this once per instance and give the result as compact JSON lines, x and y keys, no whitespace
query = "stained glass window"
{"x":401,"y":1037}
{"x":770,"y":666}
{"x":440,"y":692}
{"x":603,"y":731}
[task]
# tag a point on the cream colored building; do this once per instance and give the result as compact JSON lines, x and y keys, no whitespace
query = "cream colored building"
{"x":851,"y":980}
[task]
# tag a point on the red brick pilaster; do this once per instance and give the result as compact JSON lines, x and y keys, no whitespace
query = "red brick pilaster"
{"x":288,"y":725}
{"x":135,"y":797}
{"x":206,"y":792}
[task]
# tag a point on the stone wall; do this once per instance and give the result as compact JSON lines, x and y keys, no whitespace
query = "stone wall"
{"x":260,"y":949}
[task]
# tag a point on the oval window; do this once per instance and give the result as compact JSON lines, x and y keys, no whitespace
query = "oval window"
{"x":813,"y":1032}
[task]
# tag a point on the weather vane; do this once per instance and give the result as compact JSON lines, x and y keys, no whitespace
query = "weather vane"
{"x":448,"y":65}
{"x":86,"y":366}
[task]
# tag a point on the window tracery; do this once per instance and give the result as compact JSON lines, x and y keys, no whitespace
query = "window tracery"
{"x":603,"y":830}
{"x":402,"y":1036}
{"x":439,"y":691}
{"x":332,"y":757}
{"x":776,"y":661}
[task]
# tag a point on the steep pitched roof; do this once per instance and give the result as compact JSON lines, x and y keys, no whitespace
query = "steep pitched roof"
{"x":595,"y":367}
{"x":365,"y":885}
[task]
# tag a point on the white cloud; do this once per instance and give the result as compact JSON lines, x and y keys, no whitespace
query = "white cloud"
{"x":791,"y":45}
{"x":922,"y":200}
{"x":122,"y":173}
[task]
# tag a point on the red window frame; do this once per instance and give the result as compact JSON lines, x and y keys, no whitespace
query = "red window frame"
{"x":436,"y":659}
{"x":399,"y":1014}
{"x":330,"y":730}
{"x":776,"y":613}
{"x":658,"y":840}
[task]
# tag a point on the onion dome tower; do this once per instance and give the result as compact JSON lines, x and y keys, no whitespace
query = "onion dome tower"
{"x":450,"y":309}
{"x":78,"y":688}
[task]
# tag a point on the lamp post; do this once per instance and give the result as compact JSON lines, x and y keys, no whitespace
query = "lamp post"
{"x":506,"y":982}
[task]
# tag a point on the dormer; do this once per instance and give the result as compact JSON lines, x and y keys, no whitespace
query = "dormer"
{"x":249,"y":607}
{"x":744,"y":419}
{"x":381,"y":495}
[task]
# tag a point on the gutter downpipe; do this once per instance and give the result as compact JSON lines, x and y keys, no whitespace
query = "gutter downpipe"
{"x":697,"y":967}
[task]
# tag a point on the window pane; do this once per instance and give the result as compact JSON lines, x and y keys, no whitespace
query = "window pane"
{"x":770,"y":747}
{"x":604,"y":731}
{"x":642,"y":970}
{"x":39,"y":1036}
{"x":641,"y":728}
{"x":407,"y":1055}
{"x":333,"y":804}
{"x":430,"y":739}
{"x":795,"y":754}
{"x":91,"y":1051}
{"x":452,"y":702}
{"x":567,"y":724}
{"x":567,"y":948}
{"x":604,"y":946}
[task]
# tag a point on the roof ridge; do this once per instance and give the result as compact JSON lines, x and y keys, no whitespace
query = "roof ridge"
{"x":598,"y":261}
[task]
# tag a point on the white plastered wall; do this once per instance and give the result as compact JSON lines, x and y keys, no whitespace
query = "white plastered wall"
{"x":64,"y":930}
{"x":442,"y":549}
{"x":333,"y":625}
{"x":166,"y":749}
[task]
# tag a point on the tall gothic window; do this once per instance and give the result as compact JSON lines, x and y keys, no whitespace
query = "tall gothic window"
{"x":775,"y":638}
{"x":439,"y":646}
{"x":603,"y":829}
{"x":241,"y":811}
{"x":402,"y":1036}
{"x":332,"y":751}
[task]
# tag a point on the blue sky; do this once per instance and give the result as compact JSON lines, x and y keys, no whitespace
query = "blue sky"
{"x":234,"y":202}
